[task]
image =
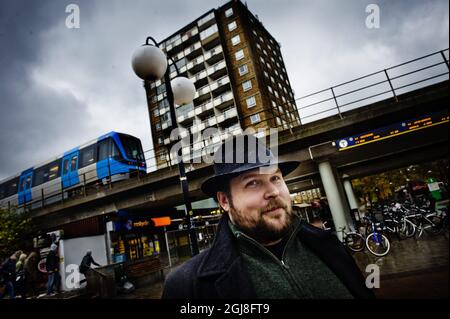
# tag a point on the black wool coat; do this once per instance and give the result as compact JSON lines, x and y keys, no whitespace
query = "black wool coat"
{"x":219,"y":273}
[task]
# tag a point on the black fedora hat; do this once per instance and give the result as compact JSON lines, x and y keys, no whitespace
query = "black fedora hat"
{"x":238,"y":155}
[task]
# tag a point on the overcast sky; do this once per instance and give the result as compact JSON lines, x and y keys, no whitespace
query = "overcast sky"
{"x":61,"y":87}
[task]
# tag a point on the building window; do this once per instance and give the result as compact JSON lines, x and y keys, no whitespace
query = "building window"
{"x":232,"y":26}
{"x":266,"y":74}
{"x":270,"y":89}
{"x":261,"y":39}
{"x":255,"y":119}
{"x":251,"y":102}
{"x":229,"y":12}
{"x":258,"y":46}
{"x":236,"y":40}
{"x":276,"y":94}
{"x":247,"y":85}
{"x":265,"y":52}
{"x":158,"y":126}
{"x":239,"y":55}
{"x":274,"y":104}
{"x":243,"y":70}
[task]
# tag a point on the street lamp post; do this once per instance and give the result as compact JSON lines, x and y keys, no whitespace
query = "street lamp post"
{"x":150,"y":64}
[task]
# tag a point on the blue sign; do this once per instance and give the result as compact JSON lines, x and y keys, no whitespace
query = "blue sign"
{"x":392,"y":131}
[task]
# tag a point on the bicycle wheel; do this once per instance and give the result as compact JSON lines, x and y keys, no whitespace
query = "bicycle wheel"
{"x":419,"y":231}
{"x":378,"y":244}
{"x":354,"y":241}
{"x":407,"y":230}
{"x":436,"y":226}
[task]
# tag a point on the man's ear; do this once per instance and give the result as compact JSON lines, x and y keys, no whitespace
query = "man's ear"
{"x":223,"y":201}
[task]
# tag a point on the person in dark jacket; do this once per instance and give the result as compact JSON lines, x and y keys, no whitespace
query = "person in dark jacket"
{"x":8,"y":274}
{"x":52,"y":267}
{"x":86,"y":264}
{"x":262,"y":249}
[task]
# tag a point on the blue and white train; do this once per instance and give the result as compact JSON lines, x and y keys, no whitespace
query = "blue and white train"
{"x":113,"y":156}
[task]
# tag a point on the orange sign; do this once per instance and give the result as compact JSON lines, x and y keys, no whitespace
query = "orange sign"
{"x":162,"y":221}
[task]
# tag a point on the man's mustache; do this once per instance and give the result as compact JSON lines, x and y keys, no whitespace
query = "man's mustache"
{"x":274,"y":204}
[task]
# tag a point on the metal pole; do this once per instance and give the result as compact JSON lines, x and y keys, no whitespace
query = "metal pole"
{"x":392,"y":87}
{"x":445,"y":59}
{"x":167,"y":247}
{"x":183,"y":179}
{"x":337,"y":104}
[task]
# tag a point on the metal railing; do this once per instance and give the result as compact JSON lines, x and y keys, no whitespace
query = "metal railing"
{"x":371,"y":88}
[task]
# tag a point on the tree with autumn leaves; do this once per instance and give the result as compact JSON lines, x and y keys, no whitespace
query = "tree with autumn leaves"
{"x":16,"y":232}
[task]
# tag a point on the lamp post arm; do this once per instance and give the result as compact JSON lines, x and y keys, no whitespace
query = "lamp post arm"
{"x":154,"y":41}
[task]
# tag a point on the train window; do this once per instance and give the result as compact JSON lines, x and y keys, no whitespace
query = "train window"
{"x":103,"y":149}
{"x":9,"y":188}
{"x":115,"y":153}
{"x":73,"y":163}
{"x":40,"y":176}
{"x":132,"y":147}
{"x":46,"y":173}
{"x":53,"y":170}
{"x":65,"y":166}
{"x":26,"y":183}
{"x":87,"y":156}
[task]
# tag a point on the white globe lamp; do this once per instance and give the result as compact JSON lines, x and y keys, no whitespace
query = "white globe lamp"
{"x":183,"y":90}
{"x":149,"y":62}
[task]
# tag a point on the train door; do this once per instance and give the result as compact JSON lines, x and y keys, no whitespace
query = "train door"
{"x":103,"y":163}
{"x":69,"y":174}
{"x":25,"y":187}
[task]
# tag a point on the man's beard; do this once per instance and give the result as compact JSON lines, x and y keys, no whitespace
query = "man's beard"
{"x":260,"y":229}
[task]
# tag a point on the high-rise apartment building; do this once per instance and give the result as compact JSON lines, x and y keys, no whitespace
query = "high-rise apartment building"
{"x":239,"y":75}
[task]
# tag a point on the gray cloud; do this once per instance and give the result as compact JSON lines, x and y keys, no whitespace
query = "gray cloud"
{"x":60,"y":87}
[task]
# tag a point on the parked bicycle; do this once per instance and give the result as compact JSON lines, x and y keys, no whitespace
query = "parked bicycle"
{"x":376,"y":242}
{"x":352,"y":240}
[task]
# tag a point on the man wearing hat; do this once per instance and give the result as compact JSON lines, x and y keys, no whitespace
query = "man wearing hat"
{"x":262,"y":249}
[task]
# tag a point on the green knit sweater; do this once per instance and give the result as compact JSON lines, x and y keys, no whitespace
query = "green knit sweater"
{"x":300,"y":273}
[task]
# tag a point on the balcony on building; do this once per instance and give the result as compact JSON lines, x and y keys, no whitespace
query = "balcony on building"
{"x":228,"y":117}
{"x":223,"y":101}
{"x":196,"y":65}
{"x":220,"y":86}
{"x":185,"y":114}
{"x":205,"y":110}
{"x":210,"y":37}
{"x":191,"y":36}
{"x":202,"y":95}
{"x":193,"y":51}
{"x":200,"y":79}
{"x":206,"y":21}
{"x":214,"y":55}
{"x":218,"y":70}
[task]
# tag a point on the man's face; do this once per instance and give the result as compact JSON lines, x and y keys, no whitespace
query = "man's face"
{"x":260,"y":204}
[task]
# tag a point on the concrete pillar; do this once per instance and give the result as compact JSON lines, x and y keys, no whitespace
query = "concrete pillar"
{"x":352,"y":201}
{"x":350,"y":194}
{"x":109,"y":228}
{"x":336,"y":198}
